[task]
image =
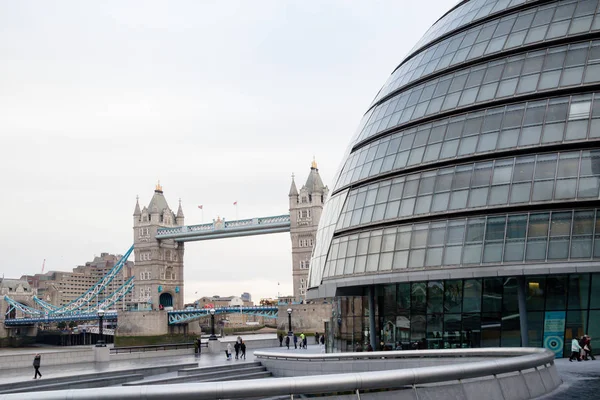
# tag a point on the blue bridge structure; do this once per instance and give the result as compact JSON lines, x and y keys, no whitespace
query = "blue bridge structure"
{"x":185,"y":316}
{"x":226,"y":229}
{"x":86,"y":307}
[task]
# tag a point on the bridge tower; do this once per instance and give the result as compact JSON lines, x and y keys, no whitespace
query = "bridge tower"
{"x":306,"y":207}
{"x":158,"y":266}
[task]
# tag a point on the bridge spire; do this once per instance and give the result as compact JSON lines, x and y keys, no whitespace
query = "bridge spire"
{"x":137,"y":212}
{"x":293,"y":189}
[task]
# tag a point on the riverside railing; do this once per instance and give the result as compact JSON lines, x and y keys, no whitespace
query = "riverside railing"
{"x":153,"y":347}
{"x":506,"y":360}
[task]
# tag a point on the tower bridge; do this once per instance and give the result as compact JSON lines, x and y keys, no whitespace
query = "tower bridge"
{"x":158,"y":251}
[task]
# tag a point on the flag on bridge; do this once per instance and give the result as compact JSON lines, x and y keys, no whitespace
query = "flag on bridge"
{"x":200,"y":206}
{"x":235,"y":203}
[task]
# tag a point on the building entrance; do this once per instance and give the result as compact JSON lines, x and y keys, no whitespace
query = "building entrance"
{"x":166,"y":300}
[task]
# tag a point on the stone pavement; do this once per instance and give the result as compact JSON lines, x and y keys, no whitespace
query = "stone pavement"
{"x":581,"y":380}
{"x":203,"y":359}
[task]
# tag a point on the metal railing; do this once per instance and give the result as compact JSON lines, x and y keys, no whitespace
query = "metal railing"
{"x":507,"y":360}
{"x":378,"y":355}
{"x":155,"y":347}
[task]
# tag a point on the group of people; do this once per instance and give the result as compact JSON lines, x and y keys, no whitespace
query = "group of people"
{"x":239,"y":348}
{"x":301,"y":341}
{"x":581,"y":349}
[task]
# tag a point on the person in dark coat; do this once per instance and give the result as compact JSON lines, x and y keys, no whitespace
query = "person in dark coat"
{"x":280,"y":340}
{"x":295,"y":341}
{"x":243,"y":349}
{"x":236,"y":347}
{"x":36,"y":365}
{"x":287,"y":342}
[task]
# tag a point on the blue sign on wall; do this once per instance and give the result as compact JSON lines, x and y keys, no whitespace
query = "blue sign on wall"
{"x":554,"y":332}
{"x":159,"y":288}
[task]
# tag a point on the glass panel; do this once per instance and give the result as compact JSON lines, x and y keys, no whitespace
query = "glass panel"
{"x":452,"y":331}
{"x":453,"y":296}
{"x":556,"y":292}
{"x":435,"y":299}
{"x":535,"y":293}
{"x":509,"y":297}
{"x":595,"y":292}
{"x":535,"y":323}
{"x":472,"y":295}
{"x":579,"y":286}
{"x":418,"y":297}
{"x":490,"y":330}
{"x":511,"y":331}
{"x":435,"y":324}
{"x":492,"y":295}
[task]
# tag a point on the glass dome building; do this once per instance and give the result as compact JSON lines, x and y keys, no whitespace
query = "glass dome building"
{"x":466,"y":212}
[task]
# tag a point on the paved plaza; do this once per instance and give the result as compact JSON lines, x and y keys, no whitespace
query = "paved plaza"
{"x":581,"y":380}
{"x":54,"y":371}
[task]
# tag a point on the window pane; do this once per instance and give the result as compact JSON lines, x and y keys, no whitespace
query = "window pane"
{"x":579,"y":286}
{"x":556,"y":292}
{"x":492,"y":295}
{"x":435,"y":299}
{"x":535,"y":293}
{"x":453,"y":296}
{"x":472,"y":295}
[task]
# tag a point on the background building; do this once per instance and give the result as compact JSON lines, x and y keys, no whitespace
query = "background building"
{"x":62,"y":287}
{"x":465,"y":213}
{"x":306,"y":207}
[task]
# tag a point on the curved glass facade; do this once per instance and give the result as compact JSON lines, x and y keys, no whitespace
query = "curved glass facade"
{"x":479,"y":157}
{"x":520,"y":29}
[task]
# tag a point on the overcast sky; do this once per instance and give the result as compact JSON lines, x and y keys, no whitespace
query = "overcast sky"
{"x":220,"y":100}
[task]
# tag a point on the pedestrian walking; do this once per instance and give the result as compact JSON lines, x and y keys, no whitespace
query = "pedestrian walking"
{"x":295,"y":341}
{"x":587,"y":348}
{"x":228,"y":351}
{"x":243,"y":348}
{"x":236,"y":347}
{"x":287,"y":342}
{"x":302,"y":340}
{"x":305,"y":342}
{"x":280,"y":340}
{"x":316,"y":337}
{"x":36,"y":365}
{"x":575,"y":350}
{"x":358,"y":348}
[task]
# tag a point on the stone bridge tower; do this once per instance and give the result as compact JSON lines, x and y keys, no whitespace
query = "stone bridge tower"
{"x":158,"y":266}
{"x":306,"y":207}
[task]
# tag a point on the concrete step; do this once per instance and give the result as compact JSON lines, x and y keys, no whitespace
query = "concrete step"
{"x":206,"y":376}
{"x":79,"y":384}
{"x":241,"y":377}
{"x":144,"y":371}
{"x":224,"y":367}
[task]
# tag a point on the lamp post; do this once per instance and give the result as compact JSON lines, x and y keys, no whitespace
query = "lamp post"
{"x":289,"y":311}
{"x":212,"y":325}
{"x":100,"y":342}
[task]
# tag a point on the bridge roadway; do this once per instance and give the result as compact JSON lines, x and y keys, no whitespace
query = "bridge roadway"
{"x":226,"y":229}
